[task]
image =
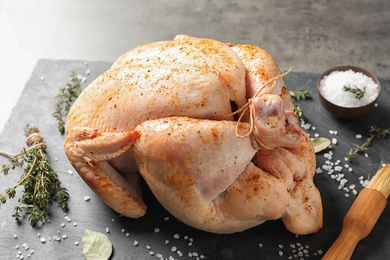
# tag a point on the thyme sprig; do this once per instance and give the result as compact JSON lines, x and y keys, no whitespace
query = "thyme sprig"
{"x":64,"y":100}
{"x":359,"y":93}
{"x":296,"y":96}
{"x":373,"y":132}
{"x":40,"y":181}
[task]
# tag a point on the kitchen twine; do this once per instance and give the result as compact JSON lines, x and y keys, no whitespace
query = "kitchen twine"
{"x":245,"y":108}
{"x":34,"y":140}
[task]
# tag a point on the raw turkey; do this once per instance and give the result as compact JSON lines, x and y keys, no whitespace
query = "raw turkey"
{"x":208,"y":125}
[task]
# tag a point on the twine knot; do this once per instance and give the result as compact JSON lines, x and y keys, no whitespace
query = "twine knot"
{"x":247,"y":106}
{"x":35,"y":139}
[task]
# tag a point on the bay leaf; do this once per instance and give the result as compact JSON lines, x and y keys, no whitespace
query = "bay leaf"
{"x":96,"y":245}
{"x":320,"y":144}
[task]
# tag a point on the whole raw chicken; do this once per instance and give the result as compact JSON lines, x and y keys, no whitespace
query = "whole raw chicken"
{"x":166,"y":111}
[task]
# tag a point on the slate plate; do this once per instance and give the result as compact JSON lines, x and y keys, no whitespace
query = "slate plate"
{"x":159,"y":233}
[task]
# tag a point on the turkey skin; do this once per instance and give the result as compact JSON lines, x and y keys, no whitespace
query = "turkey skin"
{"x":208,"y":125}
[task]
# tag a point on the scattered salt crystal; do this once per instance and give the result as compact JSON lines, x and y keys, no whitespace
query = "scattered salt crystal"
{"x":42,"y":78}
{"x":76,"y":243}
{"x":342,"y":183}
{"x":148,"y":247}
{"x":176,"y":236}
{"x":334,"y":141}
{"x":316,"y":135}
{"x":87,"y":198}
{"x":135,"y":243}
{"x":366,"y":155}
{"x":64,"y":236}
{"x":74,"y":224}
{"x":70,"y":172}
{"x":127,"y":234}
{"x":43,"y":240}
{"x":67,"y":218}
{"x":166,"y":218}
{"x":306,"y":126}
{"x":340,"y":176}
{"x":151,"y":253}
{"x":359,"y":136}
{"x":156,"y":230}
{"x":260,"y":245}
{"x":173,"y":249}
{"x":166,"y":242}
{"x":107,"y":230}
{"x":346,"y":195}
{"x":15,"y":236}
{"x":280,"y":253}
{"x":88,"y":72}
{"x":56,"y":238}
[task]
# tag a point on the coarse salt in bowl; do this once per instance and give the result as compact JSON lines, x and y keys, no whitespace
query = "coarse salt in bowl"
{"x":348,"y":92}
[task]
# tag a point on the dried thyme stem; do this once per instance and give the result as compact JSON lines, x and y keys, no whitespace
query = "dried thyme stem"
{"x":373,"y":132}
{"x":296,"y":96}
{"x":64,"y":100}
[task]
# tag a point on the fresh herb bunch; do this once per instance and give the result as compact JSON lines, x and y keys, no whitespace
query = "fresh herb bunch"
{"x":296,"y":96}
{"x":373,"y":132}
{"x":64,"y":100}
{"x":359,"y":93}
{"x":40,"y":181}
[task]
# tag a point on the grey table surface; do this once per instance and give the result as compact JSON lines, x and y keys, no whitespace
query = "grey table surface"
{"x":153,"y":232}
{"x":310,"y":35}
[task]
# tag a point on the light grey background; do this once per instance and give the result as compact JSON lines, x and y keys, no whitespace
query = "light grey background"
{"x":309,"y":35}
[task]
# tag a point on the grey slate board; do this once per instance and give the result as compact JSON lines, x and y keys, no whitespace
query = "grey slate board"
{"x":268,"y":241}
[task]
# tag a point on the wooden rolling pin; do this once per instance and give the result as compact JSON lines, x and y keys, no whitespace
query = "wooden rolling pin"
{"x":362,"y":216}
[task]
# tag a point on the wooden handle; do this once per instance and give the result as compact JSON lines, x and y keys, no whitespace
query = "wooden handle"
{"x":358,"y":223}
